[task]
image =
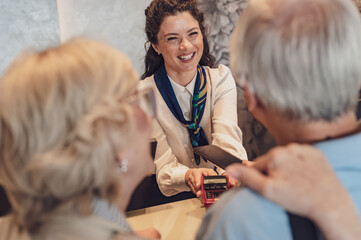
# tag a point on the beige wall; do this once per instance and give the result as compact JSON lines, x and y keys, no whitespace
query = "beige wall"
{"x":117,"y":22}
{"x":39,"y":24}
{"x":26,"y":25}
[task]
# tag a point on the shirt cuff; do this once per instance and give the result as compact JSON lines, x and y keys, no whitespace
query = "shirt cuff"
{"x":178,"y":178}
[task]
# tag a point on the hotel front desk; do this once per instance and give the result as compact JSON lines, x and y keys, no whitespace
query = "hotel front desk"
{"x":176,"y":220}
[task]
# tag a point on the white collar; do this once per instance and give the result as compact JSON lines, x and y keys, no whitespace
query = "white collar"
{"x":177,"y":88}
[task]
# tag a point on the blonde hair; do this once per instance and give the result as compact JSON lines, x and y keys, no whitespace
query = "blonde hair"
{"x":62,"y":124}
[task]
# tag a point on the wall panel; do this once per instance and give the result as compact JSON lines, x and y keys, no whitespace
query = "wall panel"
{"x":26,"y":25}
{"x":117,"y":22}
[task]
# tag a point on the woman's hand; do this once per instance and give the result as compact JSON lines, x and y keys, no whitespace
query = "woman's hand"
{"x":193,"y":178}
{"x":232,"y":181}
{"x":149,"y":233}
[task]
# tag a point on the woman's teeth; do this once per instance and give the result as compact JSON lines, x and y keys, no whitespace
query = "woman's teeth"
{"x":186,"y":57}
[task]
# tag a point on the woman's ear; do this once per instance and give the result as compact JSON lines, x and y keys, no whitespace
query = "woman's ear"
{"x":118,"y":159}
{"x":122,"y":163}
{"x":155,"y":47}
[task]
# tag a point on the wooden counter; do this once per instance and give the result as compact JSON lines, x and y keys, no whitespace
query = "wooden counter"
{"x":176,"y":220}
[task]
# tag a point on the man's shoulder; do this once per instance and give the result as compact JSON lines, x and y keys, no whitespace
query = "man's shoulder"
{"x":242,"y":213}
{"x":348,"y":145}
{"x":246,"y":202}
{"x":344,"y":154}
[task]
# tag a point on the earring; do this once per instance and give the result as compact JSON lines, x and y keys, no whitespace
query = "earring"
{"x":123,"y":166}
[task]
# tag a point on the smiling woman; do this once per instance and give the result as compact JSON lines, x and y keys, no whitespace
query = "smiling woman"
{"x":197,"y":104}
{"x":181,"y":46}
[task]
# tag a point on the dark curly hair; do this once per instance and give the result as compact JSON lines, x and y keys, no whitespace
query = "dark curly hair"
{"x":155,"y":14}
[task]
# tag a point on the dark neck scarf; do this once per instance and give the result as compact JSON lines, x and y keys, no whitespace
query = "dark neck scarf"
{"x":196,"y":133}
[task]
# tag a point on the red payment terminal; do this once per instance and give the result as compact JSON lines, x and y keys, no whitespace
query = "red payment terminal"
{"x":212,"y":187}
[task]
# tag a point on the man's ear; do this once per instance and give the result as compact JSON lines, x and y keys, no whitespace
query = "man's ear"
{"x":256,"y":107}
{"x":155,"y":47}
{"x":250,"y":97}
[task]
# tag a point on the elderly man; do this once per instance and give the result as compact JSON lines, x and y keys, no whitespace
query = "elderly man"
{"x":298,"y":62}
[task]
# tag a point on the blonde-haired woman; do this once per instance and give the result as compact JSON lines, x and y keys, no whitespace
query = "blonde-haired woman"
{"x":73,"y":143}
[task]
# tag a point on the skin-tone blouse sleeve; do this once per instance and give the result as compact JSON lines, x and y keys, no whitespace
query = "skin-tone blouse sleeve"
{"x":225,"y":131}
{"x":170,"y":173}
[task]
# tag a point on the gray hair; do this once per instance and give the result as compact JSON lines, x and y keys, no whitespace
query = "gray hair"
{"x":301,"y":58}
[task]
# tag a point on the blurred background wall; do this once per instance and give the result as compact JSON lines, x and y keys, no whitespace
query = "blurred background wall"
{"x":39,"y":24}
{"x":26,"y":25}
{"x":117,"y":22}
